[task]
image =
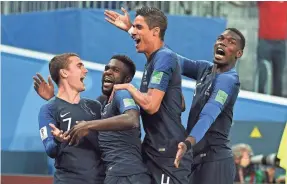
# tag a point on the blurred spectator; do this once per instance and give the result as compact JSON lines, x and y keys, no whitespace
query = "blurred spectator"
{"x":249,"y":173}
{"x":272,"y":36}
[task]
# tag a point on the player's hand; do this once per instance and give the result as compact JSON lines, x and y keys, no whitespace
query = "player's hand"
{"x":58,"y":134}
{"x":121,"y":21}
{"x":116,"y":87}
{"x":78,"y":131}
{"x":180,"y":153}
{"x":45,"y":90}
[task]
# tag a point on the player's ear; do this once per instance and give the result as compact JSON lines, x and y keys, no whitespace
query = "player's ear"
{"x":128,"y":79}
{"x":156,"y":31}
{"x":239,"y":54}
{"x":63,"y":73}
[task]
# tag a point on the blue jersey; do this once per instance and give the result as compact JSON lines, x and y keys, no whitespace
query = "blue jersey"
{"x":81,"y":163}
{"x":163,"y":129}
{"x":121,"y":150}
{"x":211,"y":112}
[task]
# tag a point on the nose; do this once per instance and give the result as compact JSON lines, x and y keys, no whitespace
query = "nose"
{"x":85,"y":70}
{"x":108,"y":71}
{"x":134,"y":31}
{"x":223,"y":42}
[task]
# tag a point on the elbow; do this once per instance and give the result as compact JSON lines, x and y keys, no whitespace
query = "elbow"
{"x":51,"y":149}
{"x":152,"y":109}
{"x":51,"y":154}
{"x":134,"y":122}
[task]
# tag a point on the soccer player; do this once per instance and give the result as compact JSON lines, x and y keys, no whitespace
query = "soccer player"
{"x":121,"y":149}
{"x":159,"y":97}
{"x":119,"y":136}
{"x":74,"y":164}
{"x":211,"y":114}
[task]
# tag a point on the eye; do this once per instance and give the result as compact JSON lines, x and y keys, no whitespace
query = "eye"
{"x":220,"y":38}
{"x":232,"y":42}
{"x":116,"y":70}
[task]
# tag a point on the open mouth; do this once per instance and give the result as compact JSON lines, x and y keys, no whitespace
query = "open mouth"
{"x":219,"y":53}
{"x":137,"y":41}
{"x":82,"y":79}
{"x":108,"y":82}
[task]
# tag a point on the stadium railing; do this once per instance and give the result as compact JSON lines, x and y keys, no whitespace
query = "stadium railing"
{"x":269,"y":76}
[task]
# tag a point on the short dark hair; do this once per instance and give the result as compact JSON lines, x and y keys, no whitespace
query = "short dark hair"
{"x":154,"y":18}
{"x":57,"y":63}
{"x":128,"y":62}
{"x":242,"y":38}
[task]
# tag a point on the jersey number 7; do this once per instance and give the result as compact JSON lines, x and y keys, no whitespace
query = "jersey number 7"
{"x":69,"y":122}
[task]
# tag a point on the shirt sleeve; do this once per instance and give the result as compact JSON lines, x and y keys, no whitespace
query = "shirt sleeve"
{"x":190,"y":68}
{"x":164,"y":66}
{"x":125,"y":101}
{"x":45,"y":117}
{"x":222,"y":92}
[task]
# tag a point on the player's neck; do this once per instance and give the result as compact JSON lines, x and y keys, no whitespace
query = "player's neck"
{"x":224,"y":68}
{"x":154,"y":46}
{"x":68,"y":94}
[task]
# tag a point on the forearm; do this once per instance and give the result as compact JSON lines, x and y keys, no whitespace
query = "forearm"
{"x":201,"y":128}
{"x":142,"y":99}
{"x":51,"y":147}
{"x":116,"y":123}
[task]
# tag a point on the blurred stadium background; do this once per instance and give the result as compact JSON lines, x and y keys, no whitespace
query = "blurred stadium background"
{"x":32,"y":32}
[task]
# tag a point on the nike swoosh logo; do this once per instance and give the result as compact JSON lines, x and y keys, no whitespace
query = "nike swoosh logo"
{"x":63,"y":115}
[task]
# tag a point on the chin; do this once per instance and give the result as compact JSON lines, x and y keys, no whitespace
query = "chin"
{"x":82,"y":89}
{"x":219,"y":62}
{"x":106,"y":92}
{"x":139,"y":50}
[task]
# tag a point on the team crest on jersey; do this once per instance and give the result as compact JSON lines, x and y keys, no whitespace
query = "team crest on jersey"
{"x":156,"y":77}
{"x":129,"y":102}
{"x":221,"y":97}
{"x":44,"y":133}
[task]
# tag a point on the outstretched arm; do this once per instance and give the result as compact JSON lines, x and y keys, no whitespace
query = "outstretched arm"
{"x":224,"y":90}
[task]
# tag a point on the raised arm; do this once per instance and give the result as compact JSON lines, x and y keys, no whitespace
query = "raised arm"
{"x":44,"y":90}
{"x":122,"y":22}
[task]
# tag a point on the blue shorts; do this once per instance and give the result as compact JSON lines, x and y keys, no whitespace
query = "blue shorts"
{"x":142,"y":178}
{"x":216,"y":172}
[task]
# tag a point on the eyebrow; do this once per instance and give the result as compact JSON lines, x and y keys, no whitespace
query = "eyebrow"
{"x":80,"y":63}
{"x":233,"y":38}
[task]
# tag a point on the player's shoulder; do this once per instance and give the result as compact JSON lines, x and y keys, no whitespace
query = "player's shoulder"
{"x":91,"y":102}
{"x":228,"y":78}
{"x":122,"y":94}
{"x":230,"y":75}
{"x":166,"y":52}
{"x":49,"y":106}
{"x":204,"y":63}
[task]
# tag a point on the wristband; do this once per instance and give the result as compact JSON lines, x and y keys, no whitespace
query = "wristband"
{"x":188,"y":145}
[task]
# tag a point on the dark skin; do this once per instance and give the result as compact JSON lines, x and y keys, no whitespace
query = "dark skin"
{"x":230,"y":43}
{"x":117,"y":73}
